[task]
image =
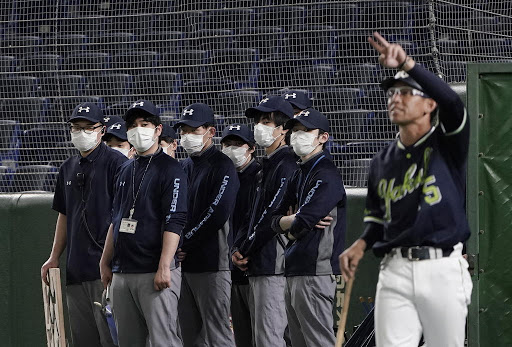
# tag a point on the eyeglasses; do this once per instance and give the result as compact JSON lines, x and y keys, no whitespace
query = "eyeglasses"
{"x":88,"y":129}
{"x":404,"y":91}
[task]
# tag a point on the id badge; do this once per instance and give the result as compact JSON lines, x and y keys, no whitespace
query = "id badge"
{"x":128,"y":225}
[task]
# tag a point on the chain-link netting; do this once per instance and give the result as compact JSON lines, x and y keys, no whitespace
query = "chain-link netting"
{"x":228,"y":54}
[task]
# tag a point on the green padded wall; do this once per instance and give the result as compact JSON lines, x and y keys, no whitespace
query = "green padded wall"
{"x":489,"y":203}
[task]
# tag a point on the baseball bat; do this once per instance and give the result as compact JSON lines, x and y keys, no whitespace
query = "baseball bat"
{"x":340,"y":336}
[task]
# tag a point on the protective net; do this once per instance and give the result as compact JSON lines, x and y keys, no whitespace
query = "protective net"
{"x":228,"y":54}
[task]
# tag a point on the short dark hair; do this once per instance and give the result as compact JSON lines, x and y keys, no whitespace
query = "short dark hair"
{"x":144,"y":115}
{"x":167,"y":139}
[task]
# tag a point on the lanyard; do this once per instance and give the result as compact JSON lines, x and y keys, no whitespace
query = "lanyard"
{"x":132,"y":210}
{"x":307,"y":176}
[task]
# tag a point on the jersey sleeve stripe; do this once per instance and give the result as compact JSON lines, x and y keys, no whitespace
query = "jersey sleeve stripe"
{"x":370,"y":219}
{"x":459,"y":129}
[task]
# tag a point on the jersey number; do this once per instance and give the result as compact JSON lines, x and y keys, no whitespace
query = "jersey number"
{"x":431,"y":192}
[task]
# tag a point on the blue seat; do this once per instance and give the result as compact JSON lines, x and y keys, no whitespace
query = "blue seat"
{"x":238,"y":65}
{"x":205,"y":91}
{"x":354,"y":172}
{"x":7,"y":64}
{"x":191,"y":64}
{"x":62,"y":85}
{"x":112,"y":88}
{"x":6,"y":176}
{"x":84,"y":22}
{"x":335,"y":99}
{"x":113,"y":42}
{"x":451,"y":48}
{"x":231,"y":19}
{"x":88,"y":63}
{"x":189,"y":21}
{"x":211,"y":39}
{"x":362,"y":150}
{"x":233,"y":104}
{"x":454,"y":71}
{"x":134,"y":62}
{"x":362,"y":125}
{"x":20,"y":46}
{"x":268,"y":41}
{"x":129,"y":20}
{"x":62,"y":108}
{"x":289,"y":18}
{"x":314,"y":41}
{"x":43,"y":64}
{"x":359,"y":75}
{"x":118,"y":109}
{"x":342,"y":15}
{"x":161,"y":41}
{"x":163,"y":88}
{"x":19,"y":87}
{"x":67,"y":44}
{"x":393,"y":17}
{"x":9,"y":142}
{"x":27,"y":111}
{"x":313,"y":77}
{"x":35,"y":178}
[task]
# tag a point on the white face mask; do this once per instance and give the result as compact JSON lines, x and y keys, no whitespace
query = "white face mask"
{"x":125,"y":151}
{"x":264,"y":135}
{"x":84,"y":142}
{"x":141,"y":138}
{"x":236,"y":154}
{"x":302,"y":142}
{"x":192,"y":143}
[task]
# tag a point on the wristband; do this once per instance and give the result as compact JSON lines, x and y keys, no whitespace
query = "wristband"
{"x":400,"y":67}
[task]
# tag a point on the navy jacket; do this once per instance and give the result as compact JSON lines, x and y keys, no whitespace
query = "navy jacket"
{"x":260,"y":243}
{"x":161,"y":206}
{"x":317,"y":189}
{"x":84,"y":193}
{"x":213,"y":186}
{"x":416,"y":194}
{"x":249,"y":178}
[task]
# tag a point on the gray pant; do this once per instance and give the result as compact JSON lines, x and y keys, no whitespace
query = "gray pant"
{"x":268,"y":313}
{"x":241,"y":315}
{"x":143,"y":314}
{"x":309,"y":304}
{"x":89,"y":327}
{"x":204,"y":309}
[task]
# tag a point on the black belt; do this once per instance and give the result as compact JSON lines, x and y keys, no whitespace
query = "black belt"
{"x":422,"y":253}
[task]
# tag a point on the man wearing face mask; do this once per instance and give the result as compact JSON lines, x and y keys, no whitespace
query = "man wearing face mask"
{"x":148,"y":216}
{"x":116,"y":138}
{"x":311,"y":260}
{"x":168,"y":140}
{"x":259,"y":250}
{"x":213,"y":181}
{"x":83,"y":198}
{"x":238,"y":144}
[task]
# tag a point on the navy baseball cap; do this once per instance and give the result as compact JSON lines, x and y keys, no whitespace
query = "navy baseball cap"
{"x":196,"y":115}
{"x":298,"y":99}
{"x":271,"y":104}
{"x":240,"y":130}
{"x":109,"y":120}
{"x":401,"y":76}
{"x":168,"y":131}
{"x":311,"y":119}
{"x":141,"y":108}
{"x":117,"y":129}
{"x":88,"y":111}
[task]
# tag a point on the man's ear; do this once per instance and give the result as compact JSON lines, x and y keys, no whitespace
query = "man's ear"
{"x":324,"y":137}
{"x":158,"y":130}
{"x":430,"y":105}
{"x":212,"y":131}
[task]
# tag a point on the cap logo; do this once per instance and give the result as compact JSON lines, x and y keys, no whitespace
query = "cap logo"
{"x":303,"y":114}
{"x":116,"y":126}
{"x":263,"y":101}
{"x":86,"y":109}
{"x":232,"y":127}
{"x":189,"y":112}
{"x":106,"y":119}
{"x":402,"y":74}
{"x":293,"y":96}
{"x":141,"y":104}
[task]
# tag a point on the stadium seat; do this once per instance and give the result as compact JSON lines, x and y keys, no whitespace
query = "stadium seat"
{"x":161,"y":88}
{"x":46,"y":144}
{"x":9,"y":142}
{"x":129,"y":20}
{"x":43,"y":64}
{"x":313,"y":77}
{"x":62,"y":85}
{"x":361,"y":125}
{"x":205,"y":91}
{"x":332,"y":100}
{"x":231,"y":19}
{"x":266,"y":40}
{"x":112,"y":88}
{"x":7,"y":64}
{"x":35,"y":178}
{"x":161,"y":41}
{"x":118,"y":109}
{"x":314,"y":41}
{"x":18,"y":87}
{"x":134,"y":62}
{"x":454,"y":71}
{"x":67,"y":44}
{"x":20,"y":46}
{"x":88,"y":63}
{"x":289,"y":18}
{"x":342,"y":15}
{"x":5,"y":178}
{"x":358,"y":75}
{"x":452,"y":48}
{"x":62,"y":108}
{"x":233,"y":104}
{"x":354,"y":172}
{"x":189,"y":21}
{"x":89,"y":23}
{"x":238,"y":65}
{"x":190,"y":63}
{"x":394,"y":18}
{"x":211,"y":39}
{"x":27,"y":111}
{"x":113,"y":42}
